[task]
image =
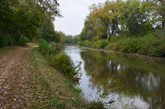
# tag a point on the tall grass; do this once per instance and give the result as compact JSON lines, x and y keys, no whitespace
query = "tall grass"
{"x":60,"y":60}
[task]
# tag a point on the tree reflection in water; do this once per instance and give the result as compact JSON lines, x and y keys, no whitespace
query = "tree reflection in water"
{"x":137,"y":77}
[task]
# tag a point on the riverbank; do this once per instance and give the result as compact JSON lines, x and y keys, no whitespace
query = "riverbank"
{"x":28,"y":81}
{"x":125,"y":79}
{"x":150,"y":45}
{"x":119,"y":52}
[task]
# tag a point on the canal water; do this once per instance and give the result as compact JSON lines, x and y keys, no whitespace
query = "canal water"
{"x":120,"y":80}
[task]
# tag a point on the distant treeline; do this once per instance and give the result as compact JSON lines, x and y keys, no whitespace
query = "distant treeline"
{"x":127,"y":26}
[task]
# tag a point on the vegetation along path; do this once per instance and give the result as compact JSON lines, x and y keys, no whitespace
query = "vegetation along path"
{"x":27,"y":81}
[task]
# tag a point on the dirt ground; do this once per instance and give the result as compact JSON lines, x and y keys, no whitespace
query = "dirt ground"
{"x":13,"y":78}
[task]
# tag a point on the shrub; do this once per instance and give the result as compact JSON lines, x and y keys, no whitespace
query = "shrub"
{"x":63,"y":63}
{"x":23,"y":40}
{"x":85,"y":43}
{"x":159,"y":49}
{"x":103,"y":43}
{"x":11,"y":41}
{"x":6,"y":40}
{"x":3,"y":40}
{"x":113,"y":46}
{"x":44,"y":47}
{"x":96,"y":44}
{"x":131,"y":45}
{"x":96,"y":105}
{"x":147,"y":43}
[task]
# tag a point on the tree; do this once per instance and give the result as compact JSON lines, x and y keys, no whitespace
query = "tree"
{"x":108,"y":14}
{"x":27,"y":17}
{"x":101,"y":14}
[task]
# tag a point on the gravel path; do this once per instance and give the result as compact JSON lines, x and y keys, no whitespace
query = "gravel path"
{"x":14,"y":91}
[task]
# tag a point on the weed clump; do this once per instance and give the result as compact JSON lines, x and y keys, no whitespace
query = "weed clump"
{"x":23,"y":40}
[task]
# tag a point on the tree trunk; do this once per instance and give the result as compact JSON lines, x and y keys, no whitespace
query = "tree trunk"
{"x":163,"y":14}
{"x":163,"y":22}
{"x":108,"y":32}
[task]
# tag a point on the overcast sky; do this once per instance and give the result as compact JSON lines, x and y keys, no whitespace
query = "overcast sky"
{"x":74,"y":12}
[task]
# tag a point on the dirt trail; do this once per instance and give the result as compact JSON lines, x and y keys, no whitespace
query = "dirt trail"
{"x":14,"y":91}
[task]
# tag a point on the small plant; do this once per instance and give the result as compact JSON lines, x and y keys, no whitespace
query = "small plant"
{"x":63,"y":63}
{"x":23,"y":40}
{"x":96,"y":105}
{"x":44,"y":47}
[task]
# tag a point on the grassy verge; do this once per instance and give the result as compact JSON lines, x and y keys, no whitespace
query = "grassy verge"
{"x":51,"y":89}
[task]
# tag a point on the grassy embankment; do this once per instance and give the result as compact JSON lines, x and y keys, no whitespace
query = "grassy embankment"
{"x":146,"y":45}
{"x":50,"y":81}
{"x":54,"y":88}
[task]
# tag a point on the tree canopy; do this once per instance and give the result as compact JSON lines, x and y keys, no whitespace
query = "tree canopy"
{"x":29,"y":18}
{"x":118,"y":17}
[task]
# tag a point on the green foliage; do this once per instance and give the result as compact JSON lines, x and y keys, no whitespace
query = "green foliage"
{"x":63,"y":63}
{"x":23,"y":40}
{"x":103,"y":43}
{"x":98,"y":44}
{"x":76,"y":89}
{"x":152,"y":46}
{"x":28,"y":21}
{"x":131,"y":45}
{"x":96,"y":105}
{"x":44,"y":47}
{"x":128,"y":23}
{"x":85,"y":43}
{"x":3,"y":40}
{"x":6,"y":40}
{"x":48,"y":33}
{"x":147,"y":45}
{"x":159,"y":50}
{"x":69,"y":39}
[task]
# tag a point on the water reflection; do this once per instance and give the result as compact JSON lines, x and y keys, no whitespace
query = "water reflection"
{"x":137,"y":78}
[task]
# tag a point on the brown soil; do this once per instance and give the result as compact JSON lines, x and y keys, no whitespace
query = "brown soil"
{"x":14,"y":79}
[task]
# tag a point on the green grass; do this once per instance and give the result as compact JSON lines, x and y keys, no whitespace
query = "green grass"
{"x":51,"y":89}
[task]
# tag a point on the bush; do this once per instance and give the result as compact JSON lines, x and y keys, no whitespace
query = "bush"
{"x":100,"y":44}
{"x":147,"y":43}
{"x":44,"y":47}
{"x":3,"y":40}
{"x":113,"y":46}
{"x":11,"y":41}
{"x":63,"y":63}
{"x":103,"y":43}
{"x":6,"y":40}
{"x":131,"y":45}
{"x":159,"y":49}
{"x":96,"y":105}
{"x":85,"y":43}
{"x":23,"y":40}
